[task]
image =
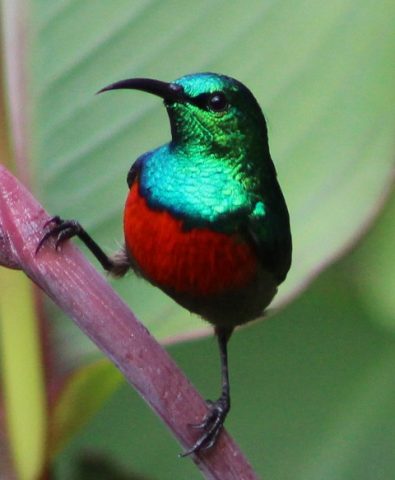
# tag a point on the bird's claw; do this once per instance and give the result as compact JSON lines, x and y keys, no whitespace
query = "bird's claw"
{"x":61,"y":231}
{"x":206,"y":419}
{"x":212,"y":424}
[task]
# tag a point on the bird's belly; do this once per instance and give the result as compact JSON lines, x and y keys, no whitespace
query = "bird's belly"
{"x":191,"y":263}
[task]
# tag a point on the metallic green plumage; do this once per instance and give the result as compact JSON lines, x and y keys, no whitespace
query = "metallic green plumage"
{"x":217,"y":170}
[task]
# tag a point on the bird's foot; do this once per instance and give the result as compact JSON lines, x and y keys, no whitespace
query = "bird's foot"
{"x":61,"y":231}
{"x":211,"y":425}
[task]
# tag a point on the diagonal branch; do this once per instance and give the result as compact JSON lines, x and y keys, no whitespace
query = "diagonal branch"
{"x":86,"y":297}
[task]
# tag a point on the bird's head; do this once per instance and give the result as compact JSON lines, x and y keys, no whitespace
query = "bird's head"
{"x":208,"y":112}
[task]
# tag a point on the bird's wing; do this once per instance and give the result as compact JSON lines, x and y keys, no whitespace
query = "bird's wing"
{"x":269,"y":232}
{"x":134,"y":170}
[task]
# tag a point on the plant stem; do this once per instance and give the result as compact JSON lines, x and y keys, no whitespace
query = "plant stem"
{"x":86,"y":297}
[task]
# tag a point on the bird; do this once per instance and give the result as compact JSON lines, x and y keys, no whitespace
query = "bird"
{"x":205,"y":219}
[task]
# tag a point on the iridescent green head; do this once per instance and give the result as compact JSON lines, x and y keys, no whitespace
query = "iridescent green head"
{"x":218,"y":113}
{"x":208,"y":112}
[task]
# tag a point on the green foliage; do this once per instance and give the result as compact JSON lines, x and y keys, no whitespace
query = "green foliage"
{"x":372,"y":269}
{"x":312,"y":388}
{"x":322,"y":72}
{"x":22,"y":381}
{"x":83,"y":394}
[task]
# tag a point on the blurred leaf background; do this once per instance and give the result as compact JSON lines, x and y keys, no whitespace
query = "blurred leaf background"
{"x":313,"y":386}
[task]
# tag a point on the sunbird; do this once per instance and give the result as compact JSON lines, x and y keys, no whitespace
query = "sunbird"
{"x":205,"y":219}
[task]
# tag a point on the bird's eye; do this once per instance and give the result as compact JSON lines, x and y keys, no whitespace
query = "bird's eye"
{"x":217,"y":102}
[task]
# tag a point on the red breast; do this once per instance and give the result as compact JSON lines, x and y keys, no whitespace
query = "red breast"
{"x":196,"y":262}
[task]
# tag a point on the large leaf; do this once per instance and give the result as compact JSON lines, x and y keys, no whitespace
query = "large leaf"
{"x":372,"y":269}
{"x":323,"y":73}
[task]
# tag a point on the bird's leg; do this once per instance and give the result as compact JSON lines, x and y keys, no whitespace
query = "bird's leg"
{"x":63,"y":230}
{"x":218,"y":410}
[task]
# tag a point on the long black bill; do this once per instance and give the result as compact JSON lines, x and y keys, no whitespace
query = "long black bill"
{"x":170,"y":92}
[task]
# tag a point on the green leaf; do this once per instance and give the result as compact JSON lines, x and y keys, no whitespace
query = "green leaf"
{"x":23,"y":392}
{"x":82,"y":395}
{"x":322,"y":71}
{"x":372,"y":269}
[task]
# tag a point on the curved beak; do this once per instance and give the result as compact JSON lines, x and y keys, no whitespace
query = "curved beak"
{"x":170,"y":92}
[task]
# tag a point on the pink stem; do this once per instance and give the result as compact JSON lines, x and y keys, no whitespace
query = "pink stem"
{"x":85,"y":296}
